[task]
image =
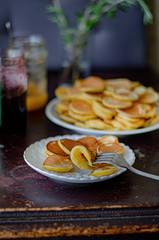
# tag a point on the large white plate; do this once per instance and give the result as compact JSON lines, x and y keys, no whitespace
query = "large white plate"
{"x":54,"y":117}
{"x":34,"y":156}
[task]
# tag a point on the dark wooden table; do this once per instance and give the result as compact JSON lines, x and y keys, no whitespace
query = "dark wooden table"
{"x":33,"y":206}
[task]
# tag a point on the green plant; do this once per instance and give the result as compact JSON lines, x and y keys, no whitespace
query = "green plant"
{"x":75,"y":38}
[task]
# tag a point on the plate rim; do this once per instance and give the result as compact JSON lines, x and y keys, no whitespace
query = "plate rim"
{"x":63,"y":178}
{"x":50,"y":113}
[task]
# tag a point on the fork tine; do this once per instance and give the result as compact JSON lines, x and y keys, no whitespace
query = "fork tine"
{"x":104,"y":158}
{"x":106,"y":155}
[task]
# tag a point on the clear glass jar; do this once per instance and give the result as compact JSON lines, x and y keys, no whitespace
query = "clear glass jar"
{"x":36,"y":64}
{"x":13,"y":77}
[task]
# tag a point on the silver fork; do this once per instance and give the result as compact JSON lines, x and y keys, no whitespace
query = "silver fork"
{"x":120,"y":161}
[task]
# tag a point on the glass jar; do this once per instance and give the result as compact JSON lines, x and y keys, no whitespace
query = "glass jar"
{"x":36,"y":63}
{"x":13,"y":76}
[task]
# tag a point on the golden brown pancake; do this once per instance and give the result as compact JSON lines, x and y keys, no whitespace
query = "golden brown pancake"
{"x":62,"y":106}
{"x":67,"y":93}
{"x":67,"y":144}
{"x":90,"y":143}
{"x":92,"y":96}
{"x":102,"y":111}
{"x":81,"y":117}
{"x":81,"y":107}
{"x":53,"y":148}
{"x":103,"y":170}
{"x":111,"y":102}
{"x":138,"y":110}
{"x":99,"y":124}
{"x":91,"y":84}
{"x":58,"y":163}
{"x":113,"y":84}
{"x":124,"y":94}
{"x":108,"y":139}
{"x":140,"y":90}
{"x":81,"y":157}
{"x":150,"y":96}
{"x":67,"y":118}
{"x":110,"y":147}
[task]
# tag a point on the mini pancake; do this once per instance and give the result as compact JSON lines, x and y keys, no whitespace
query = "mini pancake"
{"x":103,"y":170}
{"x":81,"y":157}
{"x":92,"y":96}
{"x":125,"y":95}
{"x":91,"y":84}
{"x":119,"y":126}
{"x":111,"y":102}
{"x":81,"y":107}
{"x":138,"y":110}
{"x":113,"y":84}
{"x":110,"y":147}
{"x":151,"y":96}
{"x":67,"y":118}
{"x":67,"y":93}
{"x":151,"y":121}
{"x":80,"y":124}
{"x":122,"y":94}
{"x":108,"y":139}
{"x":130,"y":125}
{"x":126,"y":118}
{"x":90,"y":143}
{"x":103,"y":112}
{"x":99,"y":124}
{"x":62,"y":106}
{"x":58,"y":163}
{"x":80,"y":117}
{"x":67,"y":144}
{"x":151,"y":111}
{"x":53,"y":148}
{"x":140,"y":90}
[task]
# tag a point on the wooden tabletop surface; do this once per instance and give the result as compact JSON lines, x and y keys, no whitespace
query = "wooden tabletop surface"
{"x":34,"y":206}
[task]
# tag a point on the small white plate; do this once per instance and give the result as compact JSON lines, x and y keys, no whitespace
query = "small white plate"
{"x":34,"y":156}
{"x":53,"y":116}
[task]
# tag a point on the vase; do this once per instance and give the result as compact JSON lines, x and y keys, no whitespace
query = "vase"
{"x":75,"y":64}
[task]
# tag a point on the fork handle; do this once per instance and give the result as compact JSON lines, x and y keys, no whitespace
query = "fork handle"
{"x":144,"y":174}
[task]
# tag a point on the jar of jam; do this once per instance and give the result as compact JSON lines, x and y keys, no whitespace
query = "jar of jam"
{"x":36,"y":60}
{"x":13,"y":77}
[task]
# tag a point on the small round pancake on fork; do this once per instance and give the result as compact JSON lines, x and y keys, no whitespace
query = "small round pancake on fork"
{"x":103,"y":169}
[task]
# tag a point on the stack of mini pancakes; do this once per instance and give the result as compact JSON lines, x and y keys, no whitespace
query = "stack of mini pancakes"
{"x":63,"y":154}
{"x":107,"y":104}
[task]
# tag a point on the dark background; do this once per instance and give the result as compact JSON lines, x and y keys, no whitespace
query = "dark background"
{"x":119,"y":43}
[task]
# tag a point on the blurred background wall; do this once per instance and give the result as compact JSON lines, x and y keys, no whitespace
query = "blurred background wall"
{"x":120,"y":43}
{"x":153,"y":37}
